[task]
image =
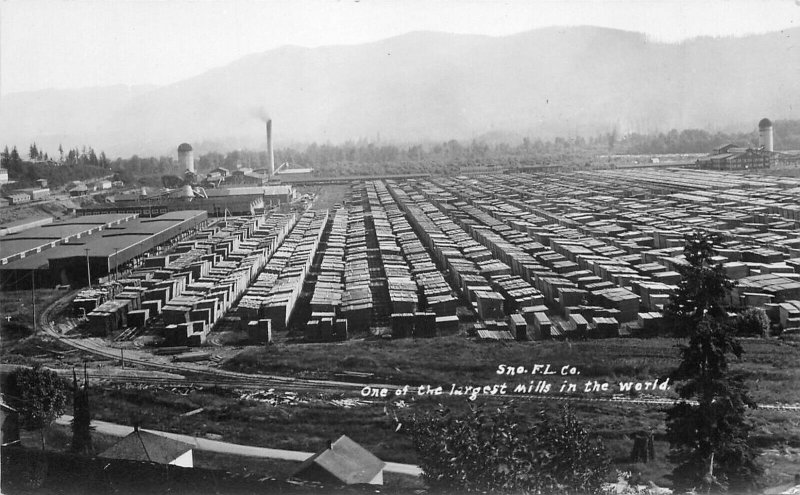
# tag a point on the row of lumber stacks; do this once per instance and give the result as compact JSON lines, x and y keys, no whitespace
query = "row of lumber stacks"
{"x":505,"y":263}
{"x":190,"y":315}
{"x":357,"y":296}
{"x":271,"y":235}
{"x":409,"y":315}
{"x":456,"y":252}
{"x":435,"y":294}
{"x":296,"y":260}
{"x":402,"y":291}
{"x":326,"y":323}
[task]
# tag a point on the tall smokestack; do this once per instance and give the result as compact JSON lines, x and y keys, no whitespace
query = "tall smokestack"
{"x":270,"y":157}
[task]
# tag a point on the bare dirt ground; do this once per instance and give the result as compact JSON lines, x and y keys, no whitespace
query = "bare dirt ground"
{"x":57,"y":208}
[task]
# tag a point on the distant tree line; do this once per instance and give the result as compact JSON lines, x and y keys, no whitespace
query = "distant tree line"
{"x":786,"y":137}
{"x":143,"y":171}
{"x":366,"y":158}
{"x":77,"y":164}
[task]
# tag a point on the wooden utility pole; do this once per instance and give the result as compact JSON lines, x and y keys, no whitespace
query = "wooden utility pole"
{"x":88,"y":269}
{"x":116,"y":263}
{"x":33,"y":297}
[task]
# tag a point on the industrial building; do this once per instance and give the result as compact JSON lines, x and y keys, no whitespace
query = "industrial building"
{"x":21,"y":196}
{"x":731,"y":157}
{"x":87,"y":246}
{"x":37,"y":239}
{"x":217,"y":202}
{"x":18,"y":198}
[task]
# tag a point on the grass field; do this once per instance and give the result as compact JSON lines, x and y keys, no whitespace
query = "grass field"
{"x":18,"y":343}
{"x":16,"y":306}
{"x":770,"y":365}
{"x":307,"y":424}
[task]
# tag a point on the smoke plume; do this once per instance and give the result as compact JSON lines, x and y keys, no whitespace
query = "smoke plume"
{"x":260,"y":113}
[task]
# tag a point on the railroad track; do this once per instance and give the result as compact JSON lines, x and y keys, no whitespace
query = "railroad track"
{"x":210,"y":377}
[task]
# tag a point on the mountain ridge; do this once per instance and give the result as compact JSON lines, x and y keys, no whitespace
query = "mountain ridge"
{"x":430,"y":86}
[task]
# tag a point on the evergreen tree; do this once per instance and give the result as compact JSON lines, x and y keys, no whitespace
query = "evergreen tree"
{"x":15,"y":158}
{"x":81,"y":416}
{"x":703,"y":287}
{"x":709,"y":440}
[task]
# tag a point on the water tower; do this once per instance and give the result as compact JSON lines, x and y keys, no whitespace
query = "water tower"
{"x":185,"y":157}
{"x":765,"y":134}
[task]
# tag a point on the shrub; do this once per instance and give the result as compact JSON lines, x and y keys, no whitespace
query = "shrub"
{"x":497,"y":449}
{"x":752,"y":321}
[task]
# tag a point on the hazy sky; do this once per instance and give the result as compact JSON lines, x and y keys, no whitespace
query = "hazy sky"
{"x":71,"y":44}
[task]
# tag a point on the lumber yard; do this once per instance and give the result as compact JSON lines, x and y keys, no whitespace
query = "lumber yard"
{"x":522,"y":256}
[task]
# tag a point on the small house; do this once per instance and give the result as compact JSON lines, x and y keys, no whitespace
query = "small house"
{"x":79,"y":190}
{"x":18,"y":198}
{"x":144,"y":446}
{"x":343,"y":461}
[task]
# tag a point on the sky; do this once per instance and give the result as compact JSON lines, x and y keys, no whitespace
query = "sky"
{"x":76,"y":44}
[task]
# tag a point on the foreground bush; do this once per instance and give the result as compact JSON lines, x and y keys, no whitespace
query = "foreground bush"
{"x":495,"y":449}
{"x":752,"y":322}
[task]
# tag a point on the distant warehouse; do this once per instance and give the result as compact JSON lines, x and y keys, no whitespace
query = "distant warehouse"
{"x":18,"y":198}
{"x":24,"y":195}
{"x":217,"y":202}
{"x":731,"y":157}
